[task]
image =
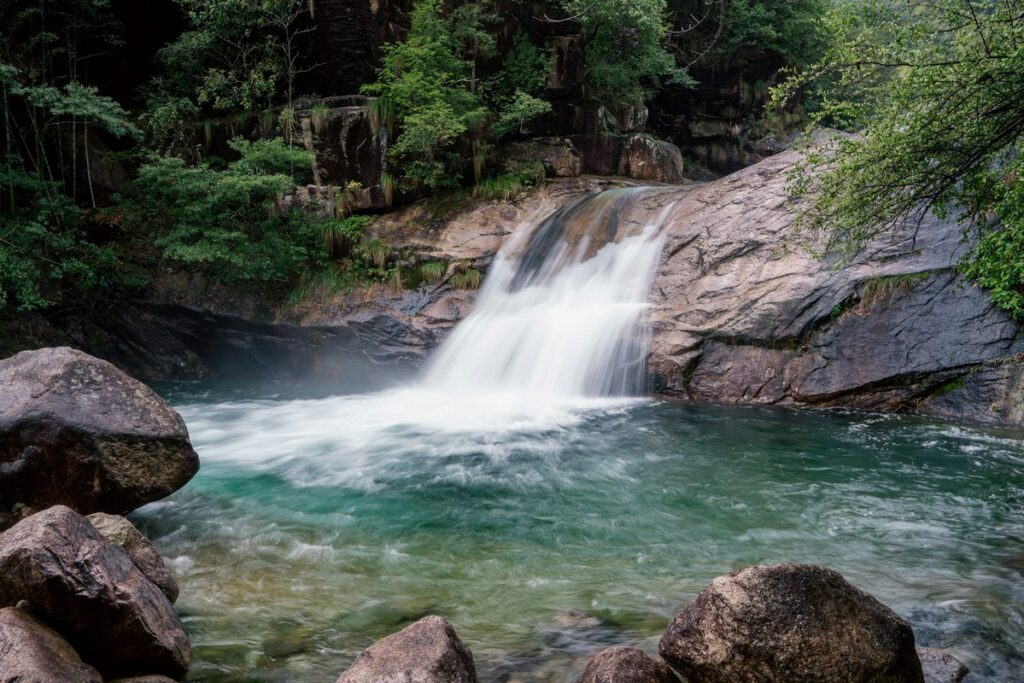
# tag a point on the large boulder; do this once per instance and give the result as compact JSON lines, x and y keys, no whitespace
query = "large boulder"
{"x":626,"y":665}
{"x":89,"y":590}
{"x":76,"y":431}
{"x":940,"y":666}
{"x":789,"y":623}
{"x":120,"y":531}
{"x":428,"y":651}
{"x":647,"y":158}
{"x":31,"y":652}
{"x":742,"y":313}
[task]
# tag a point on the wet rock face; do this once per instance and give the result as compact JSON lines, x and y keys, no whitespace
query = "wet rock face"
{"x":90,"y":591}
{"x":789,"y":623}
{"x":626,"y":665}
{"x":428,"y":651}
{"x":741,"y":314}
{"x":347,"y":41}
{"x":30,"y":652}
{"x":635,"y":156}
{"x":144,"y":556}
{"x":75,"y":430}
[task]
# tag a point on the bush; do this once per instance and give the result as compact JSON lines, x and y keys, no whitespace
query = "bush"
{"x":228,"y":222}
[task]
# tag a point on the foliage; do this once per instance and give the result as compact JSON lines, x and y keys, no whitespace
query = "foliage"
{"x":518,"y":112}
{"x":470,"y":278}
{"x":226,"y":222}
{"x":879,"y":288}
{"x":936,"y":87}
{"x":433,"y":271}
{"x":516,"y":180}
{"x":742,"y":33}
{"x":423,"y":80}
{"x":524,"y":69}
{"x":318,"y":117}
{"x":623,"y":48}
{"x":51,"y":122}
{"x":237,"y":54}
{"x":997,"y":263}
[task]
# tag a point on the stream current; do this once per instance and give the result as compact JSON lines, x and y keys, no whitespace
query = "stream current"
{"x":526,"y":490}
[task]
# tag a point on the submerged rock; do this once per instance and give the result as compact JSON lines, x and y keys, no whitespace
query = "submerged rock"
{"x":626,"y":665}
{"x":120,"y":531}
{"x":940,"y":666}
{"x":789,"y":623}
{"x":428,"y":651}
{"x":89,"y":590}
{"x":31,"y":652}
{"x":76,"y":431}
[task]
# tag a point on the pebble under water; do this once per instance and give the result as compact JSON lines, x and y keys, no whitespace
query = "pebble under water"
{"x":545,"y":530}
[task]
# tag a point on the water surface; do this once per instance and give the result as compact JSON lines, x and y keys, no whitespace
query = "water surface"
{"x":545,"y":530}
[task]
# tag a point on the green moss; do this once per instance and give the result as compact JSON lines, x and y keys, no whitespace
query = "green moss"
{"x":878,"y":288}
{"x":467,"y":279}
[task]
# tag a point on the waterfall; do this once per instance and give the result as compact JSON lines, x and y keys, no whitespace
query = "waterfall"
{"x":562,"y":311}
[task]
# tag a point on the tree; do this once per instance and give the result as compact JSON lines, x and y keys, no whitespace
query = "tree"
{"x":936,"y":89}
{"x":624,"y":48}
{"x":51,"y":120}
{"x":227,"y":222}
{"x":431,"y":88}
{"x":237,"y":54}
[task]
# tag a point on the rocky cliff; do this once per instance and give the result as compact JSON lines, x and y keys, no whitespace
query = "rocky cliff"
{"x":742,"y":315}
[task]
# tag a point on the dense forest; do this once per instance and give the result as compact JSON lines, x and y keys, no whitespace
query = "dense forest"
{"x":176,"y":136}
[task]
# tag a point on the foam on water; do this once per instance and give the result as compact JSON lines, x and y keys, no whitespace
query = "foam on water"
{"x":556,"y":319}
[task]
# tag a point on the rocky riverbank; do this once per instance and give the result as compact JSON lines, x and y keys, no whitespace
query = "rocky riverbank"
{"x":88,"y":599}
{"x":85,"y":599}
{"x":741,"y":313}
{"x":784,"y":623}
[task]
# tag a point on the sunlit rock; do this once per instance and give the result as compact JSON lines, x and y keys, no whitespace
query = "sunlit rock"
{"x":789,"y":623}
{"x":428,"y":651}
{"x":626,"y":665}
{"x":120,"y":531}
{"x":940,"y":666}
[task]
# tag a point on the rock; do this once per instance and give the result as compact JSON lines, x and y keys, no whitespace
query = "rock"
{"x":789,"y":623}
{"x":646,"y":158}
{"x":740,"y":315}
{"x":120,"y":531}
{"x":89,"y":590}
{"x":31,"y":652}
{"x":559,"y":155}
{"x":428,"y":651}
{"x":76,"y":431}
{"x":626,"y":665}
{"x":284,"y":645}
{"x":142,"y":679}
{"x":940,"y":666}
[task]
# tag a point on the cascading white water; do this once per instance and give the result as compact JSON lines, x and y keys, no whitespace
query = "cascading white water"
{"x":556,"y":336}
{"x":562,"y":310}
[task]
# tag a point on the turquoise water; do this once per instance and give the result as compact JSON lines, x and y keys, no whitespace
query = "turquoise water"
{"x":547,"y":531}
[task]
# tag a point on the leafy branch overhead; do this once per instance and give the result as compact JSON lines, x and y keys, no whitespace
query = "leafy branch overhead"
{"x":935,"y":91}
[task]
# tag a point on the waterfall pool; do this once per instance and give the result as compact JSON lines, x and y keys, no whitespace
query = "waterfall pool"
{"x":545,"y":530}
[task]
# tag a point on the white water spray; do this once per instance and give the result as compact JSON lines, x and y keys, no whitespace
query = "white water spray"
{"x":562,"y":314}
{"x":557,"y":336}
